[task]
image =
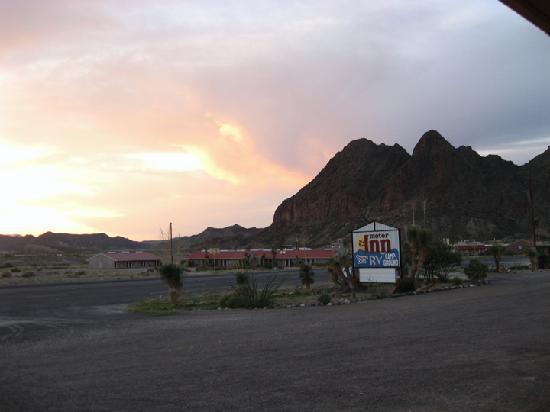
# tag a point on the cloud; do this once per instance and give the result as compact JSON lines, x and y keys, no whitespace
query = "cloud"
{"x":140,"y":110}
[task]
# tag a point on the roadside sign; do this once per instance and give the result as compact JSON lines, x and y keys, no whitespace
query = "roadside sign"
{"x":376,"y":250}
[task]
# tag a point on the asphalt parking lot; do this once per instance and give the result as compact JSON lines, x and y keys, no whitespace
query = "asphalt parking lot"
{"x":480,"y":349}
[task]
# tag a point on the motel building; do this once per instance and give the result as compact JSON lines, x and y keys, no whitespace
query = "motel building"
{"x":225,"y":259}
{"x":124,"y":260}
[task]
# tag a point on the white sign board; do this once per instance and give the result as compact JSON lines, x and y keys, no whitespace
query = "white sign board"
{"x":376,"y":246}
{"x":379,"y":275}
{"x":376,"y":252}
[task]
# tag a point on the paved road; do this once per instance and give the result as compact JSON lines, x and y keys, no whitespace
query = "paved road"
{"x":476,"y":349}
{"x":505,"y":261}
{"x":48,"y":300}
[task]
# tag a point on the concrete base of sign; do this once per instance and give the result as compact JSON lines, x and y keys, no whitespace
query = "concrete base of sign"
{"x":379,"y":275}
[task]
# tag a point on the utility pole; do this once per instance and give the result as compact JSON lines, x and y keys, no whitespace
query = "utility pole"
{"x":171,"y":246}
{"x":533,"y":224}
{"x":424,"y":207}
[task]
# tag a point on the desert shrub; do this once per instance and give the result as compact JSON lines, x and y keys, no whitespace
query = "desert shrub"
{"x":405,"y":285}
{"x":306,"y":275}
{"x":250,"y":295}
{"x":80,"y":273}
{"x":324,"y":298}
{"x":6,"y":265}
{"x":241,"y":279}
{"x":476,"y":270}
{"x":6,"y":275}
{"x":27,"y":275}
{"x":379,"y":291}
{"x":15,"y":270}
{"x":456,"y":281}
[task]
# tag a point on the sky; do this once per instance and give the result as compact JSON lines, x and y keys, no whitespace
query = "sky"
{"x":121,"y":116}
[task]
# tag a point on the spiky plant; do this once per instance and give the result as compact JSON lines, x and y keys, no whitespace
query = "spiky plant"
{"x":171,"y":274}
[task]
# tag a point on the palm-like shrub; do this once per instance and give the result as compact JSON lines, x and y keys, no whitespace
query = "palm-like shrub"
{"x":306,"y":275}
{"x":248,"y":294}
{"x":476,"y":270}
{"x":171,"y":274}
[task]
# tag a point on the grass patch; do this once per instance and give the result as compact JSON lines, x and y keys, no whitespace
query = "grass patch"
{"x":154,"y":306}
{"x":162,"y":306}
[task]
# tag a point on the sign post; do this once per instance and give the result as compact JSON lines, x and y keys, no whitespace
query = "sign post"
{"x":376,"y":253}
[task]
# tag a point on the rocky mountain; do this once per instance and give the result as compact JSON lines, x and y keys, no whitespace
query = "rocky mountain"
{"x":466,"y":195}
{"x":340,"y":195}
{"x":53,"y":242}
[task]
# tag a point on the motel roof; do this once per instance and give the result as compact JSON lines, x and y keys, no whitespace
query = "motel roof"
{"x":130,"y":256}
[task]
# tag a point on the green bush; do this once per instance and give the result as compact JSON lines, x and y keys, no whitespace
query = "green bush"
{"x":405,"y":285}
{"x":28,"y":275}
{"x":16,"y":270}
{"x":6,"y":275}
{"x":6,"y":265}
{"x":324,"y":298}
{"x":439,"y":259}
{"x":476,"y":270}
{"x":249,"y":294}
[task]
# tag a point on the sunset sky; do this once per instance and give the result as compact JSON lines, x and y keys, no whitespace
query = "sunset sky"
{"x":120,"y":116}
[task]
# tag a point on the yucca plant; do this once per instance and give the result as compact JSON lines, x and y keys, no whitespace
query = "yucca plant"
{"x":171,"y":274}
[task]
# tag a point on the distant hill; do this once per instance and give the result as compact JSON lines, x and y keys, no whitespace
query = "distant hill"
{"x":51,"y":242}
{"x":228,"y":237}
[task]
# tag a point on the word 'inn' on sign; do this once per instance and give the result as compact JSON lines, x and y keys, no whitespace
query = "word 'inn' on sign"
{"x":375,"y":245}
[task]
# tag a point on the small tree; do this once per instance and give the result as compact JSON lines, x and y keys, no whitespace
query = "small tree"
{"x":306,"y":275}
{"x":476,"y":270}
{"x":171,"y":274}
{"x":439,"y":259}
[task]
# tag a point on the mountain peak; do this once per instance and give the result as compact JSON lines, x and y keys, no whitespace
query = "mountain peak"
{"x":430,"y":142}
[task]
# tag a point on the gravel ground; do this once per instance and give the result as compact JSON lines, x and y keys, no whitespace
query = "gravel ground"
{"x":475,"y":349}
